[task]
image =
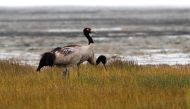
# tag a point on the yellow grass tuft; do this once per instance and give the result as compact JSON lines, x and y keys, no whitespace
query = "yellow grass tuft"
{"x":123,"y":86}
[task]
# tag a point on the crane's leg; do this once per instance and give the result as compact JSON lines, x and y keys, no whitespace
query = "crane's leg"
{"x":78,"y":66}
{"x":65,"y":71}
{"x":105,"y":67}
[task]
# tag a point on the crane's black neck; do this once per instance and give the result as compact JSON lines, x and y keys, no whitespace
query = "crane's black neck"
{"x":90,"y":40}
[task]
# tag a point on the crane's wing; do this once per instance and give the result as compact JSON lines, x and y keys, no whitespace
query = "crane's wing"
{"x":65,"y":51}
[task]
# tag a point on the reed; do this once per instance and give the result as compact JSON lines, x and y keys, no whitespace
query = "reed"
{"x":124,"y":85}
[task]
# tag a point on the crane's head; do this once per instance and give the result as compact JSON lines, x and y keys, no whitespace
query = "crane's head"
{"x":101,"y":59}
{"x":87,"y":31}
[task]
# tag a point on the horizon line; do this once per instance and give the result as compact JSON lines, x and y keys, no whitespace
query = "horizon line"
{"x":102,"y":6}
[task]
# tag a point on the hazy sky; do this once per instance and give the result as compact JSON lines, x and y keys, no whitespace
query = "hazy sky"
{"x":172,"y":3}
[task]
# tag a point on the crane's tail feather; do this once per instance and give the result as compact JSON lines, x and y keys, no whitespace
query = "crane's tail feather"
{"x":47,"y":59}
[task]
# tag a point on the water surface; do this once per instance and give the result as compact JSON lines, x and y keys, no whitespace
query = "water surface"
{"x":147,"y":36}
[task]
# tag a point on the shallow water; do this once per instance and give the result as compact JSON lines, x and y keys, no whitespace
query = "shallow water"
{"x":147,"y":36}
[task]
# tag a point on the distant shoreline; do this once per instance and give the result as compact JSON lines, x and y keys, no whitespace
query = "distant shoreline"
{"x":79,"y":8}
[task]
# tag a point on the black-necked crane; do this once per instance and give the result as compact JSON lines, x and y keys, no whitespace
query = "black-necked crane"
{"x":72,"y":55}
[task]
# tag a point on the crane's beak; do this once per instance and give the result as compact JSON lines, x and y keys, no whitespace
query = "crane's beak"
{"x":92,"y":32}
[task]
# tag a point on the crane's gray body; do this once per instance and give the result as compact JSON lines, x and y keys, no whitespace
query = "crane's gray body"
{"x":77,"y":54}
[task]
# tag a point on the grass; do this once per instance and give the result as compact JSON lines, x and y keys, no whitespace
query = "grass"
{"x":122,"y":86}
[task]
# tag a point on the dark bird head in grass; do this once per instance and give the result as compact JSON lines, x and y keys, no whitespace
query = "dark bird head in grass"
{"x":101,"y":59}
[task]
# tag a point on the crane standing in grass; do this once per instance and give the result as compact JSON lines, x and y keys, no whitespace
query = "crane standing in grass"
{"x":72,"y":55}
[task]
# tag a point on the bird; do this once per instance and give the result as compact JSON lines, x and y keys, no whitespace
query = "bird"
{"x":72,"y":55}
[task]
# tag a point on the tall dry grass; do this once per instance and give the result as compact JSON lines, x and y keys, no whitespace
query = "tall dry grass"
{"x":122,"y":86}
